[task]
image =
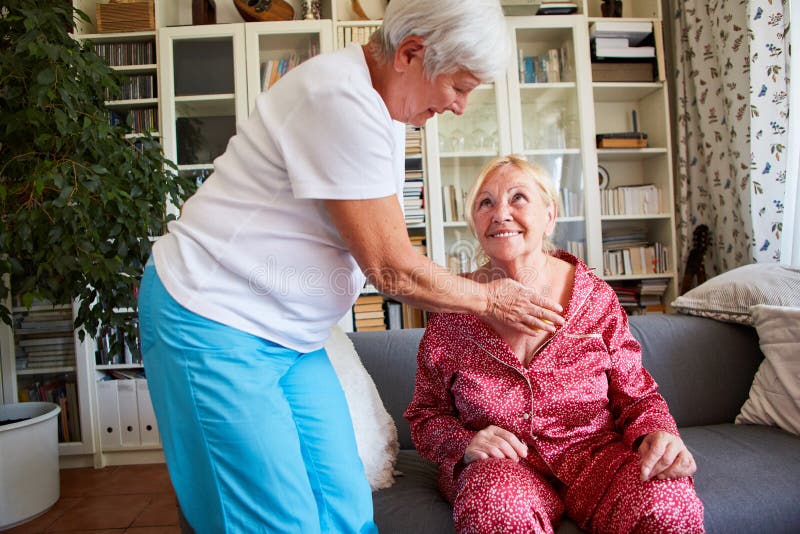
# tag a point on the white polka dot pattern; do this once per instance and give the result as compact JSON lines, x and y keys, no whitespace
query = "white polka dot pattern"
{"x":579,"y":406}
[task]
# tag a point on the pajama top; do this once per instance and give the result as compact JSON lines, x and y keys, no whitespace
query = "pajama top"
{"x":583,"y":396}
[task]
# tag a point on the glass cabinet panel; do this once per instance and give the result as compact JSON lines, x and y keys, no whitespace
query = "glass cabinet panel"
{"x":465,"y":144}
{"x":545,"y":119}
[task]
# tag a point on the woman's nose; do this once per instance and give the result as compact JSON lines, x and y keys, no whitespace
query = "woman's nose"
{"x":501,"y":213}
{"x":459,"y":105}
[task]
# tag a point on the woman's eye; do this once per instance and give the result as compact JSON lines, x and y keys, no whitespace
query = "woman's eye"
{"x":519,"y":196}
{"x":485,"y":202}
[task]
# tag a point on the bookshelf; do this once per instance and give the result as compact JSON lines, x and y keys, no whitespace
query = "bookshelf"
{"x":637,"y":200}
{"x":42,"y":360}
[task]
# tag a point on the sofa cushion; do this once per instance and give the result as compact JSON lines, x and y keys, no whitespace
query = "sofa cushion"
{"x":415,"y":505}
{"x":704,"y":368}
{"x":729,"y":296}
{"x":747,"y":477}
{"x":775,"y":395}
{"x":375,"y":431}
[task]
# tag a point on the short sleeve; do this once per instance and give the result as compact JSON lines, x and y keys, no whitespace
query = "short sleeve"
{"x":338,"y":143}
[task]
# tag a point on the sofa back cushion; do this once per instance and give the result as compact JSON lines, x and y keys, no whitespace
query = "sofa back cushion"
{"x":704,"y":368}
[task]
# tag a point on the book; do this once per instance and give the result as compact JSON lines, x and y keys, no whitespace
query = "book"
{"x":628,"y":52}
{"x":622,"y":142}
{"x":623,"y":71}
{"x":557,"y":8}
{"x":633,"y":31}
{"x":611,"y":42}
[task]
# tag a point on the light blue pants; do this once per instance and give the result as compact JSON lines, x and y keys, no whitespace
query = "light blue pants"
{"x":257,"y":437}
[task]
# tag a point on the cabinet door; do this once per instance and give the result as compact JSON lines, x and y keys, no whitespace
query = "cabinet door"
{"x":203,"y":82}
{"x":458,"y":147}
{"x":274,"y":48}
{"x":550,"y":114}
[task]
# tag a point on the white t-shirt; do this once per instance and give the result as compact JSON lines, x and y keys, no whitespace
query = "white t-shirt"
{"x":255,"y":248}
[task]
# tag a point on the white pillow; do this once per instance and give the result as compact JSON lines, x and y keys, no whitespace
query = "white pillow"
{"x":775,"y":394}
{"x":729,"y":296}
{"x":376,"y":433}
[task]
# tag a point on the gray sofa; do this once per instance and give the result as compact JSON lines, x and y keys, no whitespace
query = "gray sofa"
{"x":748,"y":476}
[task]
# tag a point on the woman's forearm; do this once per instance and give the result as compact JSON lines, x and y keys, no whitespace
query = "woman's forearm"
{"x":375,"y":233}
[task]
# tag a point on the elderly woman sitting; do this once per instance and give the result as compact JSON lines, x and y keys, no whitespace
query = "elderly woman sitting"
{"x":526,"y":426}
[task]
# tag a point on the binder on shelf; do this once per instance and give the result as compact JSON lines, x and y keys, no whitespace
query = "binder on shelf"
{"x":148,"y":429}
{"x":128,"y":413}
{"x":108,"y":410}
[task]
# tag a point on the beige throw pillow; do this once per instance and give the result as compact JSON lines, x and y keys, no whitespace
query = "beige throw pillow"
{"x":775,"y":394}
{"x":730,"y":295}
{"x":376,"y":433}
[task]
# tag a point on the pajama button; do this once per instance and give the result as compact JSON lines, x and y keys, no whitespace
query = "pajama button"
{"x":526,"y":415}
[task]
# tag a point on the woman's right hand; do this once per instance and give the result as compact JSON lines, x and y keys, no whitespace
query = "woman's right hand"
{"x":495,"y":442}
{"x":518,"y":306}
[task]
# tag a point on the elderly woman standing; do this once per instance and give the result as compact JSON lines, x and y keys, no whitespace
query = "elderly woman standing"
{"x":525,"y":425}
{"x":268,"y":255}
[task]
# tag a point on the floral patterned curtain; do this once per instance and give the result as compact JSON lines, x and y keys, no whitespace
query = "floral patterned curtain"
{"x":769,"y":122}
{"x":730,"y":68}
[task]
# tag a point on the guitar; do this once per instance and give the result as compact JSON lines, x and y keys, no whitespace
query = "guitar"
{"x":264,"y":10}
{"x":694,"y":263}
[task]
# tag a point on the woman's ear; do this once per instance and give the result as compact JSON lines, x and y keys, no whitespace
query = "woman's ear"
{"x":410,"y":48}
{"x":552,"y":215}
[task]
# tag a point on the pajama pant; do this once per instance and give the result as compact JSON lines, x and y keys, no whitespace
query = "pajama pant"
{"x":504,"y":496}
{"x":257,"y":437}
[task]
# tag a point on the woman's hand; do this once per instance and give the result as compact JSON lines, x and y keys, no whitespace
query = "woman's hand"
{"x":495,"y":442}
{"x":513,"y":304}
{"x":665,"y":456}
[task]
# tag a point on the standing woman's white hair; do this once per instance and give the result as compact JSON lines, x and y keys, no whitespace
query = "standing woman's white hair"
{"x":458,"y":34}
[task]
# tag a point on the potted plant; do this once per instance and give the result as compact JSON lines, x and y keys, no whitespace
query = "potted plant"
{"x":79,"y":201}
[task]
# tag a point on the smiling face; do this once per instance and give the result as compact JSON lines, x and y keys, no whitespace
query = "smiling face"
{"x":446,"y":92}
{"x":512,"y":217}
{"x":413,"y":98}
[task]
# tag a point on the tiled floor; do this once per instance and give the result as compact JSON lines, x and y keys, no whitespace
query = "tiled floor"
{"x":134,"y":499}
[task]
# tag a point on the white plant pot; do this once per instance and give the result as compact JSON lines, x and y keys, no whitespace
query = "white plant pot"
{"x":29,"y":478}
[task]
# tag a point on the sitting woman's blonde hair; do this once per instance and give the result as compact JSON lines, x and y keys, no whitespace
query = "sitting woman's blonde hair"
{"x":537,"y":175}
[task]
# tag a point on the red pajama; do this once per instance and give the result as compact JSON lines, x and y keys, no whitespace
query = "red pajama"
{"x":579,"y":407}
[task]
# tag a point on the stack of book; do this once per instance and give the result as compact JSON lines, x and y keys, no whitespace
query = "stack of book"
{"x":453,"y":197}
{"x":413,"y":188}
{"x":60,"y":389}
{"x":44,"y":339}
{"x":354,"y":34}
{"x":571,"y":203}
{"x":631,"y":200}
{"x":368,"y":313}
{"x":622,"y":51}
{"x":634,"y":259}
{"x":640,"y":297}
{"x":627,"y":251}
{"x":553,"y":66}
{"x":272,"y":70}
{"x":418,"y":242}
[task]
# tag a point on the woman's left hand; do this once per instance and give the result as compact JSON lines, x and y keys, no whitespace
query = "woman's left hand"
{"x":664,"y":455}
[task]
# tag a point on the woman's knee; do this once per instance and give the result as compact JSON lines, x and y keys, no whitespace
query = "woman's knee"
{"x":670,"y":506}
{"x":500,"y":495}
